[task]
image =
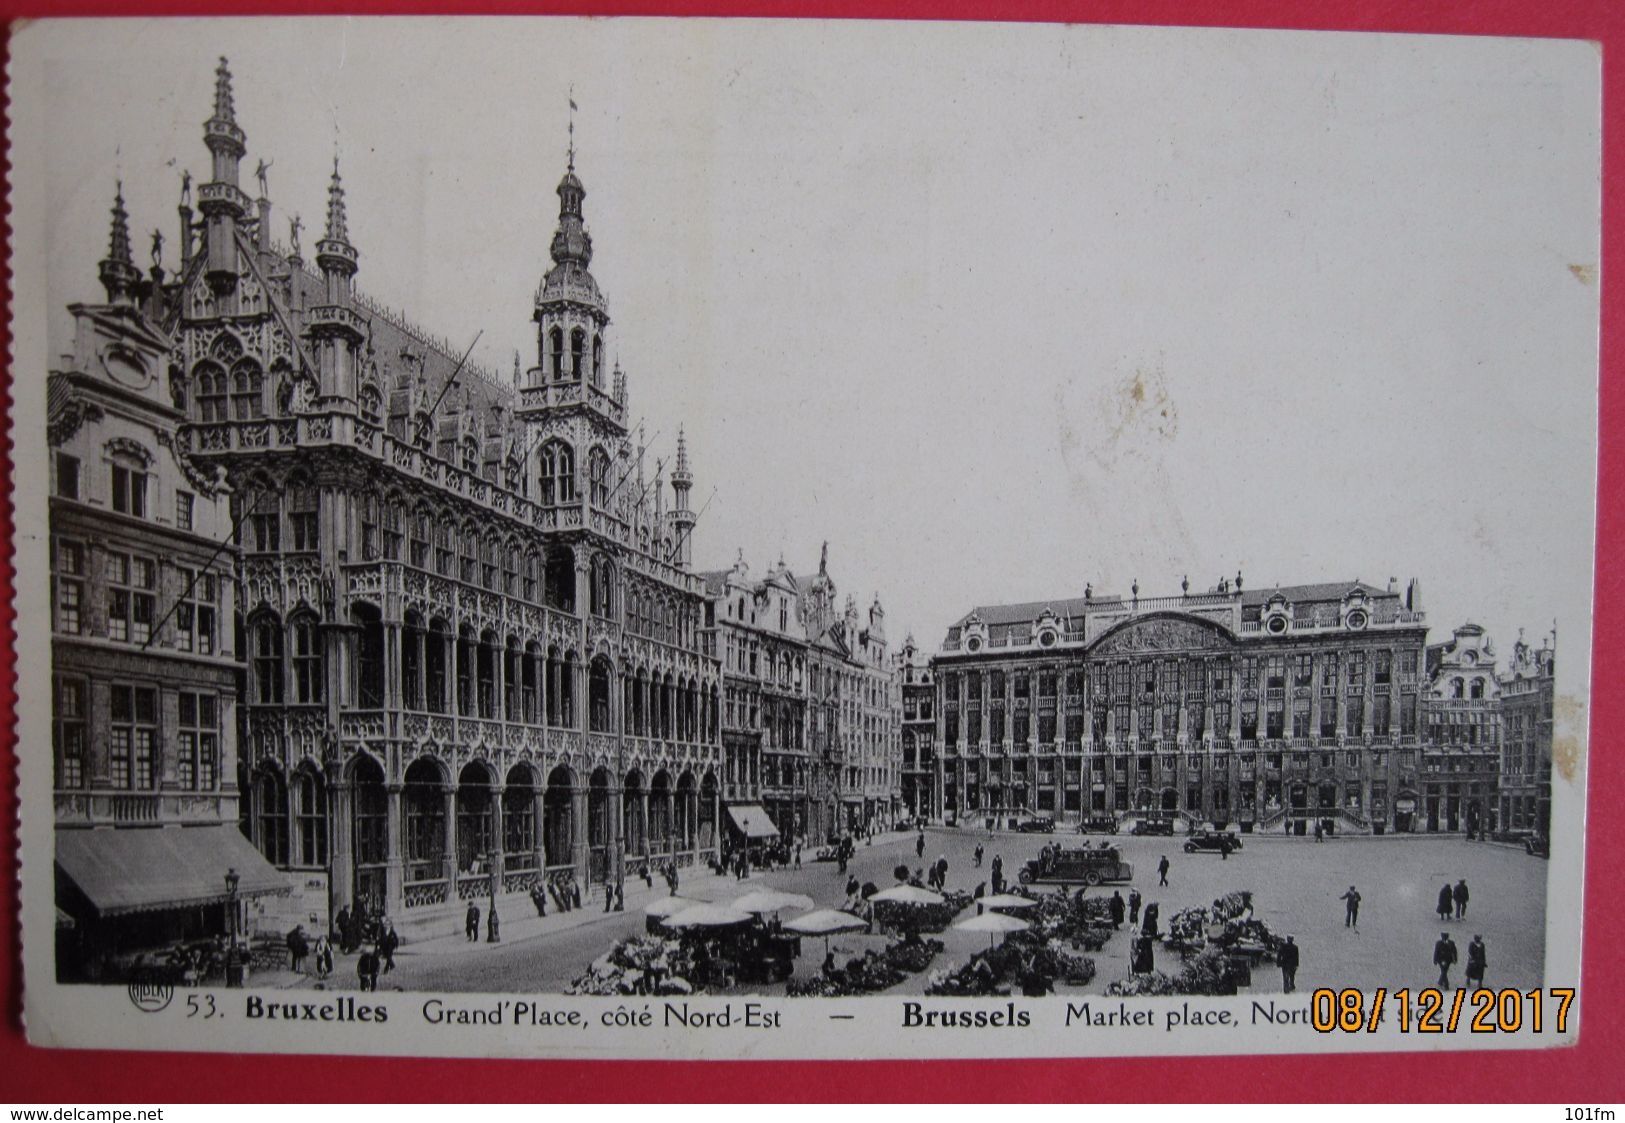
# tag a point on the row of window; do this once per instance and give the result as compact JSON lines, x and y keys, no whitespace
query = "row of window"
{"x":128,"y":490}
{"x":134,"y":745}
{"x":131,"y":584}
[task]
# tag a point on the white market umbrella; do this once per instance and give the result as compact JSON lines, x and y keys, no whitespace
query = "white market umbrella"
{"x":668,"y":906}
{"x":708,"y":916}
{"x":908,"y":895}
{"x":826,"y":923}
{"x":994,"y":924}
{"x":1007,"y":901}
{"x":771,"y":900}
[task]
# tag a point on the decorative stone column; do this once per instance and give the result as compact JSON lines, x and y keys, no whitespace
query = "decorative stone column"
{"x":499,"y":858}
{"x":341,"y":875}
{"x":448,"y":793}
{"x":394,"y":863}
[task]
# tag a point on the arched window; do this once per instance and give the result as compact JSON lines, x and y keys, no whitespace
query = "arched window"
{"x":308,"y":674}
{"x":510,"y":570}
{"x":210,"y":382}
{"x":558,"y":474}
{"x":598,"y":361}
{"x":1477,"y":689}
{"x":578,"y":345}
{"x":271,"y":816}
{"x":555,"y":339}
{"x":394,"y":516}
{"x":469,"y":557}
{"x":420,"y":538}
{"x":310,"y":815}
{"x":598,"y":477}
{"x":470,"y":456}
{"x":266,"y":641}
{"x":247,"y":391}
{"x":443,"y":556}
{"x":1456,"y":688}
{"x":489,"y":549}
{"x":304,"y":504}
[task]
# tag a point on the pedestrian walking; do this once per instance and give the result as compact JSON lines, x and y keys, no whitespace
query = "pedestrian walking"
{"x":798,"y":855}
{"x":997,"y":874}
{"x":539,"y":899}
{"x":1134,"y":900}
{"x":919,"y":845}
{"x":298,"y":948}
{"x":976,"y":856}
{"x":1477,"y":962}
{"x":1162,"y":871}
{"x":1287,"y":957}
{"x":1320,"y":830}
{"x":1447,"y":902}
{"x":366,"y":969}
{"x":1460,"y":895}
{"x":493,"y":927}
{"x":1117,"y":909}
{"x":1224,"y":849}
{"x":324,"y":957}
{"x":471,"y":923}
{"x":1148,"y":923}
{"x":388,"y":941}
{"x":1351,"y":909}
{"x":1141,"y":960}
{"x":341,"y":928}
{"x":1444,"y":957}
{"x":942,"y":872}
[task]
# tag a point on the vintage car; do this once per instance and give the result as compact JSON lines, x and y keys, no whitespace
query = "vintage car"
{"x":1153,"y":826}
{"x":1211,"y":840}
{"x":1088,"y":865}
{"x":1098,"y":824}
{"x":1038,"y":825}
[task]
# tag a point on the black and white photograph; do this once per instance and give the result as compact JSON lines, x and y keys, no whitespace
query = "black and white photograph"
{"x":639,"y":537}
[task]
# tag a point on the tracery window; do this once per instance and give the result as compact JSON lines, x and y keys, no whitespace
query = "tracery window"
{"x":558,"y":474}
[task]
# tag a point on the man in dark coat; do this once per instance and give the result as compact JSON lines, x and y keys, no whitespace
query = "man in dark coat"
{"x":388,"y":941}
{"x":539,"y":899}
{"x":341,"y":928}
{"x":996,"y":874}
{"x":1447,"y":902}
{"x":1351,"y":909}
{"x":1460,"y":895}
{"x":919,"y":845}
{"x":1287,"y":957}
{"x":366,"y":969}
{"x":1117,"y":909}
{"x":1162,"y":871}
{"x":471,"y":922}
{"x":1477,"y":962}
{"x":1444,"y":957}
{"x":1149,"y":924}
{"x":1134,"y":900}
{"x":1141,"y":961}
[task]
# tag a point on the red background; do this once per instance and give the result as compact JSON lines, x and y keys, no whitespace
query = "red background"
{"x":1590,"y":1072}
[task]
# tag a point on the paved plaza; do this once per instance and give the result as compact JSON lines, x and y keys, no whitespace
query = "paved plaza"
{"x":1296,"y":884}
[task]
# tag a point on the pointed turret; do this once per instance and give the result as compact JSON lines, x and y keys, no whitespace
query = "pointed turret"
{"x":682,"y":518}
{"x":222,"y":201}
{"x":334,"y":326}
{"x":118,"y":272}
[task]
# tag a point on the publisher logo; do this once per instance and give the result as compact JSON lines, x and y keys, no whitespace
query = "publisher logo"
{"x":151,"y":997}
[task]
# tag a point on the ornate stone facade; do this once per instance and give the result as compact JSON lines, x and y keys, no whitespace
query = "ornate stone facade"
{"x":474,"y":653}
{"x":1268,"y":709}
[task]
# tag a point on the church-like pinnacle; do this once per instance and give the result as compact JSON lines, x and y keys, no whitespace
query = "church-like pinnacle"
{"x":118,"y":248}
{"x":681,"y":472}
{"x":336,"y":228}
{"x":223,"y":109}
{"x":118,"y":272}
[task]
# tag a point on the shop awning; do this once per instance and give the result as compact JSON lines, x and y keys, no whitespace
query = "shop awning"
{"x":146,"y":870}
{"x":752,"y":821}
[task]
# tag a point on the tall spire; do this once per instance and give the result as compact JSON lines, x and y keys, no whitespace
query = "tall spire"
{"x":570,"y":156}
{"x":118,"y":271}
{"x":223,"y":108}
{"x":336,"y":228}
{"x":680,"y":473}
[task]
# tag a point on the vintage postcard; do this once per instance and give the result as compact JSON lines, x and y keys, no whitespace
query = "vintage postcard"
{"x":705,"y":538}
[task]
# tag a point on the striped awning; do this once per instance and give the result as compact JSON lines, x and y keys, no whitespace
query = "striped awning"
{"x":752,"y":821}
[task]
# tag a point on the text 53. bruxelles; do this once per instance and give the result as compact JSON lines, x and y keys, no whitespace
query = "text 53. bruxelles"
{"x":1428,"y":1011}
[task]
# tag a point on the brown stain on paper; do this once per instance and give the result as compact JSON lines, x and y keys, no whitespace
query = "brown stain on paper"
{"x":1585,"y":274}
{"x":1568,"y":735}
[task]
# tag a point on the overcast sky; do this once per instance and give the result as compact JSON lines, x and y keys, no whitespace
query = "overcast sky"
{"x":996,"y":310}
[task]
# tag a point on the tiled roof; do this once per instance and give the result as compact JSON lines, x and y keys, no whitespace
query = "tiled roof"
{"x":1326,"y":591}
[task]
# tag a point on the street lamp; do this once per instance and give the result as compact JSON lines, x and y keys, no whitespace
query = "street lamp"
{"x":234,"y":977}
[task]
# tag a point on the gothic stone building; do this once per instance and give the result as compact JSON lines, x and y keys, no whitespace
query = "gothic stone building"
{"x":1264,"y":708}
{"x":144,"y":683}
{"x":1461,"y":744}
{"x":916,"y":764}
{"x":1526,"y":723}
{"x":766,"y":781}
{"x":474,"y":652}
